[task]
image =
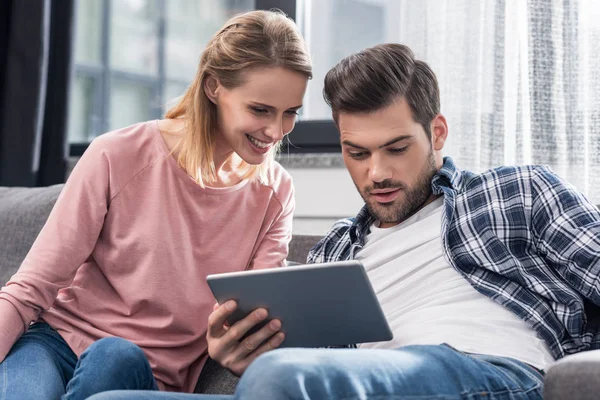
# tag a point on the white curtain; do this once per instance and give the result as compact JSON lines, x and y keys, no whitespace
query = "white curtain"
{"x":519,"y":80}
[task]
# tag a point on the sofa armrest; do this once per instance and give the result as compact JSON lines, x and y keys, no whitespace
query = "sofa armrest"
{"x":575,"y":377}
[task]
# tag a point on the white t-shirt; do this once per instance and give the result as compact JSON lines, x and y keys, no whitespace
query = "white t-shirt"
{"x":426,"y":301}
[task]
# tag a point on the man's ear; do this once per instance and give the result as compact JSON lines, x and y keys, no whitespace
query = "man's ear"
{"x":439,"y":132}
{"x":211,"y":88}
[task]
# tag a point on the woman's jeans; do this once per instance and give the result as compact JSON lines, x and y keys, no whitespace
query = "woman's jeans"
{"x":42,"y":366}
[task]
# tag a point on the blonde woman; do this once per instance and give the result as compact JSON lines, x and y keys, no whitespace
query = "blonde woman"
{"x":113,"y":293}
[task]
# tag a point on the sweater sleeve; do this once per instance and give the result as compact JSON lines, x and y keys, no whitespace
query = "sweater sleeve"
{"x":273,"y":249}
{"x":64,"y":243}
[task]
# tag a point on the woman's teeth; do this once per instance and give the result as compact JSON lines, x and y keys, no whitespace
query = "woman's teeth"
{"x":258,"y":143}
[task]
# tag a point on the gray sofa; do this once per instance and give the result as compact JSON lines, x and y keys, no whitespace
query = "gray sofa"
{"x":24,"y":210}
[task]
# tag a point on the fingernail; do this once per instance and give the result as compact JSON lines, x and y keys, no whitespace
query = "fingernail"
{"x":230,"y":305}
{"x":278,"y":339}
{"x":275,"y":324}
{"x":261,"y":313}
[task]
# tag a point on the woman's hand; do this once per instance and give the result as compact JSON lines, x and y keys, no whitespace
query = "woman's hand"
{"x":225,"y":344}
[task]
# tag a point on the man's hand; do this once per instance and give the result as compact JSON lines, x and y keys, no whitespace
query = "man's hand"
{"x":224,"y":345}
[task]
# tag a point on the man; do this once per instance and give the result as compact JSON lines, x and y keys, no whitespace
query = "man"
{"x":484,"y":278}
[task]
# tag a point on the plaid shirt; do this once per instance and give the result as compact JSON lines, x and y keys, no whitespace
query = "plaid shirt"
{"x":521,"y":236}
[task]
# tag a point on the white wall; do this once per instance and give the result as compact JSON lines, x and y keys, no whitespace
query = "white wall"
{"x":323,"y":195}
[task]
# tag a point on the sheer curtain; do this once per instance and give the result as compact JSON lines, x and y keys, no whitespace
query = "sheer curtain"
{"x":519,"y":79}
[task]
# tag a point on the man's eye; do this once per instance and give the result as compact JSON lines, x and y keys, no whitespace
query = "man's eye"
{"x":357,"y":154}
{"x":398,"y":151}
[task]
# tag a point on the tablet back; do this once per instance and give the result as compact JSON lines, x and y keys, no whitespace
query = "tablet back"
{"x":318,"y":304}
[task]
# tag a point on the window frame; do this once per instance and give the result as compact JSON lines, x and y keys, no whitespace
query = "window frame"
{"x":308,"y":136}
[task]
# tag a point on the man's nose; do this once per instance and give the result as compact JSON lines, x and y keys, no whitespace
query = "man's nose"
{"x":379,"y":170}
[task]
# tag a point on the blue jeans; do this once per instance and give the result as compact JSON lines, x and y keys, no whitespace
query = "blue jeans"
{"x":42,"y":366}
{"x":410,"y":373}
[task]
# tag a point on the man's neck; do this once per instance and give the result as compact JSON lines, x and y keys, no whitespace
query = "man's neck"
{"x":430,"y":199}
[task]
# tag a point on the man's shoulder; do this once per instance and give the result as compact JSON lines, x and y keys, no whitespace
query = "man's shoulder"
{"x":514,"y":177}
{"x":524,"y":172}
{"x":338,"y":231}
{"x":334,"y":243}
{"x":530,"y":186}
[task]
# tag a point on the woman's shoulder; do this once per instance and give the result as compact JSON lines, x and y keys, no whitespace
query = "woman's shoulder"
{"x":131,"y":145}
{"x":280,"y":176}
{"x":126,"y":151}
{"x":280,"y":182}
{"x":131,"y":138}
{"x":280,"y":179}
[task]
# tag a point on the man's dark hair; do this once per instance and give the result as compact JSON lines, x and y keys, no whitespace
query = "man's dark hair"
{"x":374,"y":78}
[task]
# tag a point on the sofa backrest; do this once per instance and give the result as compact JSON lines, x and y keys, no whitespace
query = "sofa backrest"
{"x":300,"y":246}
{"x":23,"y":212}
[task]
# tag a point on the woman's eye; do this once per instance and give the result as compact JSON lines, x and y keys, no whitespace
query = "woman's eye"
{"x":292,"y":112}
{"x":259,"y":110}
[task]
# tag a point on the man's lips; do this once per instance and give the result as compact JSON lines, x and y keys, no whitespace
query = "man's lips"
{"x":385,"y":195}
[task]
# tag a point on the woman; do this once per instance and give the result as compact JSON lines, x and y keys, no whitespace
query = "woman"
{"x":116,"y":281}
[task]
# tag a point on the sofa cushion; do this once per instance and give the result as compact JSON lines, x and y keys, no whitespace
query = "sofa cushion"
{"x":23,"y":212}
{"x":215,"y":379}
{"x":300,"y":246}
{"x":575,"y":377}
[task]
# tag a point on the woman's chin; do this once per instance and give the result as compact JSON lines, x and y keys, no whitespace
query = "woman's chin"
{"x":253,"y":158}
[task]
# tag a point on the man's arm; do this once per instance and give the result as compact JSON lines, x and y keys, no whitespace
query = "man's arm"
{"x":566,"y":227}
{"x":332,"y":246}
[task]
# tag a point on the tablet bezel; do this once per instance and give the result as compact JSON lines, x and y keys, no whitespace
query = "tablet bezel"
{"x":328,"y":304}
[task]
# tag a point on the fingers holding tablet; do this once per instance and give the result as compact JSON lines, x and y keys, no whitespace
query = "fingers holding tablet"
{"x":236,"y":346}
{"x":268,"y":335}
{"x":217,"y":325}
{"x":272,"y":343}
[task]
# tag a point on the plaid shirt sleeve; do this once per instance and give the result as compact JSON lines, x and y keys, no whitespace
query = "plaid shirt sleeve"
{"x":567,"y":232}
{"x":334,"y":244}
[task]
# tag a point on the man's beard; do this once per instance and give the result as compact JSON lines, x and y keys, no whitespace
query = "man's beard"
{"x":414,"y":197}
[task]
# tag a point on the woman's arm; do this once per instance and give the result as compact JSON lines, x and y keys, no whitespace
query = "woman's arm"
{"x":225,"y":344}
{"x":64,"y":243}
{"x":273,"y":249}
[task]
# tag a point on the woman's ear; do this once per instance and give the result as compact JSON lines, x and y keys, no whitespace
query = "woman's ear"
{"x":211,"y":88}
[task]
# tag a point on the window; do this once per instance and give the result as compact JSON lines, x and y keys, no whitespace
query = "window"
{"x":335,"y":29}
{"x":133,"y":57}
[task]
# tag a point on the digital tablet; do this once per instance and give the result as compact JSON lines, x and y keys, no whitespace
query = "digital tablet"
{"x":318,"y":305}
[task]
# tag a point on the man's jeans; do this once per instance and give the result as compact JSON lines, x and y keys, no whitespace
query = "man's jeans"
{"x":42,"y":366}
{"x":411,"y":373}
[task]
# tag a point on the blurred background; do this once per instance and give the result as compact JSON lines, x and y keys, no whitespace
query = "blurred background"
{"x":519,"y":81}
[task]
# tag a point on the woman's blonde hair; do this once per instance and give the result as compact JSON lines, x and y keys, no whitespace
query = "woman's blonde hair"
{"x":249,"y":40}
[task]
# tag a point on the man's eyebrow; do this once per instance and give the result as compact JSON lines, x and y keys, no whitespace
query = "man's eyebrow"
{"x":349,"y":143}
{"x":388,"y":143}
{"x":395,"y":140}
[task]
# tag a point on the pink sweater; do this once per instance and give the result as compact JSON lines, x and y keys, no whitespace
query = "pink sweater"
{"x":127,"y":248}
